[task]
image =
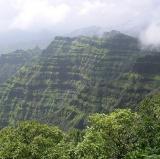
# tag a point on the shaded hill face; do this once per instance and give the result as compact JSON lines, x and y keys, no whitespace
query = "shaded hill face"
{"x":12,"y":62}
{"x":71,"y":79}
{"x":143,"y":79}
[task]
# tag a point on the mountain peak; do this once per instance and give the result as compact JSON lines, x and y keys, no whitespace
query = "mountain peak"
{"x":114,"y":34}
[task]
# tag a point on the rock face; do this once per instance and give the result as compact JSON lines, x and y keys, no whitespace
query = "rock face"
{"x":75,"y":77}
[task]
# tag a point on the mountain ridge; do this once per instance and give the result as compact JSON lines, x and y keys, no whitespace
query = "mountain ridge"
{"x":71,"y":79}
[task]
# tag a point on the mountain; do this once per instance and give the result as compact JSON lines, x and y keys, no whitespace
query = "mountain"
{"x":75,"y":77}
{"x":10,"y":63}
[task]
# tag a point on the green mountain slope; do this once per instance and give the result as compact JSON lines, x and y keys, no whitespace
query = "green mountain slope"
{"x":71,"y":79}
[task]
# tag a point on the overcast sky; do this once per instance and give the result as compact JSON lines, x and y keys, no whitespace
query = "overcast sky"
{"x":67,"y":15}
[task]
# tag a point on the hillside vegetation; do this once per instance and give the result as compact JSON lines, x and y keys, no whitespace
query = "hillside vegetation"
{"x":75,"y":77}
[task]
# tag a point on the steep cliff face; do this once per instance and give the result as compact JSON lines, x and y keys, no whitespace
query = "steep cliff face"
{"x":71,"y":79}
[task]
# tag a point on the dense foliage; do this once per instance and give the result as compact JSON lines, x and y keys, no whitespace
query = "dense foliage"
{"x":122,"y":134}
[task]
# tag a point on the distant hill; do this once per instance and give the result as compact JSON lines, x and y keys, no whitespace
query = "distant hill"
{"x":10,"y":63}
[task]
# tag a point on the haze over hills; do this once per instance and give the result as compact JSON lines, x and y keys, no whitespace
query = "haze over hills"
{"x":23,"y":40}
{"x":26,"y":40}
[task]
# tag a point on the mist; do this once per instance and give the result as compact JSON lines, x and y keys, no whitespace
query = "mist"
{"x":36,"y":22}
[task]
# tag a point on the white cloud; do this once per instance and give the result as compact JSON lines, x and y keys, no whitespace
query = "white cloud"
{"x":38,"y":14}
{"x":89,"y":6}
{"x":151,"y":35}
{"x":123,"y":15}
{"x":41,"y":14}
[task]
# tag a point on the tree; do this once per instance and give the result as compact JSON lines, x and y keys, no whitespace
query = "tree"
{"x":30,"y":140}
{"x":149,"y":130}
{"x":109,"y":136}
